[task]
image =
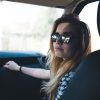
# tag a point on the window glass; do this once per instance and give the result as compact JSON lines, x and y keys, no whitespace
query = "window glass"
{"x":89,"y":15}
{"x":26,"y":27}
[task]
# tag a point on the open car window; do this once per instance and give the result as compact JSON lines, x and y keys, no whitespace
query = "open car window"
{"x":25,"y":27}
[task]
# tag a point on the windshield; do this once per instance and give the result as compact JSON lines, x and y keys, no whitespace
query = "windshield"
{"x":24,"y":27}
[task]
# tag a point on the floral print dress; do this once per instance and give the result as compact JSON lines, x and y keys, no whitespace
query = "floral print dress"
{"x":63,"y":84}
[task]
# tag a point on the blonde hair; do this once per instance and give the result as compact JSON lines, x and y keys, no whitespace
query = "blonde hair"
{"x":58,"y":66}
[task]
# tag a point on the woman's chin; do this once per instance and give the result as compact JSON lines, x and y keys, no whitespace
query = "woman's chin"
{"x":58,"y":55}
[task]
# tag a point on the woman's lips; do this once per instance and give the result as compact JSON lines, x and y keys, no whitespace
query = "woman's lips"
{"x":58,"y":49}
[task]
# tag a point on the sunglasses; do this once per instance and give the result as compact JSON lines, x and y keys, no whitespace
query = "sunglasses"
{"x":62,"y":38}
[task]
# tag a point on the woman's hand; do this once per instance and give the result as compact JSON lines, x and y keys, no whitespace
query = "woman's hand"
{"x":12,"y":66}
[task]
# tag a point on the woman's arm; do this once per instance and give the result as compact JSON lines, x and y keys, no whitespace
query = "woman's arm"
{"x":34,"y":72}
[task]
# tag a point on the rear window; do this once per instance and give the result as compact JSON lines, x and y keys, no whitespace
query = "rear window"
{"x":89,"y":15}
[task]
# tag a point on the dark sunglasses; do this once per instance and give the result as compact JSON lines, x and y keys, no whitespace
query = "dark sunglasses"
{"x":62,"y":38}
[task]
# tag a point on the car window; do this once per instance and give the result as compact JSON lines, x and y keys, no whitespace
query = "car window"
{"x":89,"y":15}
{"x":26,"y":27}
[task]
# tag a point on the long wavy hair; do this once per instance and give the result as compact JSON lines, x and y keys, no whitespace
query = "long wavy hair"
{"x":58,"y":66}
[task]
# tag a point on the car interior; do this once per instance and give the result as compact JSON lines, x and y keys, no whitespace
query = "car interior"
{"x":15,"y":85}
{"x":84,"y":86}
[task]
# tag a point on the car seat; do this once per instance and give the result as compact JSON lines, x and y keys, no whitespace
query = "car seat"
{"x":86,"y":83}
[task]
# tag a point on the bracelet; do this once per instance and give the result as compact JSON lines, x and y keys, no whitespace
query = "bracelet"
{"x":20,"y":69}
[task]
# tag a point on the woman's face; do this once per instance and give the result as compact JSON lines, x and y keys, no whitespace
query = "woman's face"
{"x":63,"y":50}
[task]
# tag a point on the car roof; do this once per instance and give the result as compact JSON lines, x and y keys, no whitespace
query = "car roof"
{"x":66,"y":4}
{"x":70,"y":6}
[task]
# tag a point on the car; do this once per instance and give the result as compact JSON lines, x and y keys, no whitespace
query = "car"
{"x":16,"y":85}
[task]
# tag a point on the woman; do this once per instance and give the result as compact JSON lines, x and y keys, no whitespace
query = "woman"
{"x":69,"y":43}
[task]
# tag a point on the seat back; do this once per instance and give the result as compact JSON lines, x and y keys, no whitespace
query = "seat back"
{"x":86,"y":83}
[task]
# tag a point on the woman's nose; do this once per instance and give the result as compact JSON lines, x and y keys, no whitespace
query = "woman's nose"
{"x":59,"y":40}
